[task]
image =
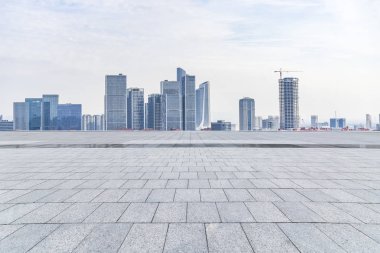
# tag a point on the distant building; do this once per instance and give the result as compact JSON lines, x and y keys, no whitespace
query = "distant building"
{"x":34,"y":113}
{"x":187,"y":84}
{"x":246,"y":114}
{"x":314,"y":121}
{"x":258,"y":123}
{"x":368,"y":121}
{"x":221,"y":125}
{"x":289,"y":106}
{"x":69,"y":116}
{"x":338,"y":123}
{"x":49,"y":112}
{"x":6,"y":125}
{"x":378,"y":125}
{"x":154,"y":112}
{"x":135,"y":109}
{"x":171,"y":105}
{"x":92,"y":122}
{"x":203,"y":106}
{"x":20,"y":116}
{"x":115,"y":109}
{"x":271,"y":123}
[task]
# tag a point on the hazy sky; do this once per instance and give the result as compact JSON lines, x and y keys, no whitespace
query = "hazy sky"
{"x":66,"y":47}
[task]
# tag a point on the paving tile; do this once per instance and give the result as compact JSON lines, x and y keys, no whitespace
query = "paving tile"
{"x":112,"y":184}
{"x":290,"y":195}
{"x":266,"y":238}
{"x":198,"y":184}
{"x":110,"y":195}
{"x":213,"y":195}
{"x":220,"y":183}
{"x":241,"y":183}
{"x":107,"y":212}
{"x":180,"y":183}
{"x":65,"y":239}
{"x":264,"y":195}
{"x":187,"y":195}
{"x":263,"y":183}
{"x":331,"y":213}
{"x":202,"y":212}
{"x":161,"y":195}
{"x":17,"y":211}
{"x":156,"y":184}
{"x":238,"y":195}
{"x":85,"y":195}
{"x":170,"y":212}
{"x":227,"y":237}
{"x":184,"y":238}
{"x":136,"y":195}
{"x":104,"y":238}
{"x":234,"y":212}
{"x":134,"y":184}
{"x":266,"y":212}
{"x":139,"y":212}
{"x":316,"y":195}
{"x":360,"y":212}
{"x":44,"y":213}
{"x":350,"y":239}
{"x":12,"y":194}
{"x":32,"y":196}
{"x":26,"y":237}
{"x":307,"y":238}
{"x":6,"y":230}
{"x":297,"y":212}
{"x":370,"y":230}
{"x":149,"y":238}
{"x":58,"y":196}
{"x":341,"y":195}
{"x":76,"y":213}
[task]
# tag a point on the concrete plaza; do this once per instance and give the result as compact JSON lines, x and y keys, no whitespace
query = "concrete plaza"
{"x":189,"y":192}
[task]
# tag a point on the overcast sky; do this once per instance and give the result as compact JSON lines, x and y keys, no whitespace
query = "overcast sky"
{"x":66,"y":47}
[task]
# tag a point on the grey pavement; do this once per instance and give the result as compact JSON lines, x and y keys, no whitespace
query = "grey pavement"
{"x":92,"y":192}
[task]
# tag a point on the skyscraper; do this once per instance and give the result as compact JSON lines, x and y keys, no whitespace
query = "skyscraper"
{"x":34,"y":113}
{"x":368,"y":121}
{"x":314,"y":121}
{"x":154,"y":112}
{"x":246,"y":114}
{"x":337,"y":123}
{"x":115,"y":99}
{"x":49,"y":112}
{"x":171,"y":105}
{"x":188,"y":101}
{"x":20,"y":116}
{"x":289,"y":107}
{"x":69,"y":116}
{"x":203,"y":106}
{"x":135,"y":109}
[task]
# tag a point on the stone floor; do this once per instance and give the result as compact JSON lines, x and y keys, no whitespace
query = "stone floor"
{"x":189,"y":199}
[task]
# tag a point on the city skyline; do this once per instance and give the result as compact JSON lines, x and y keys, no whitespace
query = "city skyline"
{"x":335,"y":44}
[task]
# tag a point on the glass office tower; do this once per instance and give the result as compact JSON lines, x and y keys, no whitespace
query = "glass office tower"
{"x":135,"y":109}
{"x":154,"y":112}
{"x":246,"y":114}
{"x":188,"y":102}
{"x":34,"y":113}
{"x":203,"y":106}
{"x":20,"y":116}
{"x":289,"y":107}
{"x":171,"y":105}
{"x":115,"y":110}
{"x":69,"y":117}
{"x":49,"y":112}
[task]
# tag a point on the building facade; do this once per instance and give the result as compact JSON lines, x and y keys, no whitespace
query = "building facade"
{"x":69,"y":117}
{"x":221,"y":125}
{"x":187,"y":89}
{"x":337,"y":123}
{"x":171,"y":105}
{"x":368,"y":121}
{"x":314,"y":121}
{"x":154,"y":112}
{"x":289,"y":105}
{"x":202,"y":112}
{"x":246,"y":114}
{"x":6,"y":125}
{"x":271,"y":123}
{"x":34,"y":113}
{"x":115,"y":99}
{"x":20,"y":116}
{"x":135,"y":109}
{"x":49,"y":112}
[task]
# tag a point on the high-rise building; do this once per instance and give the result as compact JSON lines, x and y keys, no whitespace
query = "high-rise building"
{"x":69,"y":116}
{"x":289,"y":106}
{"x":259,"y":123}
{"x":337,"y":123}
{"x":171,"y":105}
{"x":154,"y":112}
{"x":20,"y":116}
{"x":368,"y":121}
{"x":221,"y":125}
{"x":92,"y":122}
{"x":314,"y":121}
{"x":246,"y":114}
{"x":187,"y":84}
{"x":5,"y":125}
{"x":115,"y":99}
{"x":271,"y":123}
{"x":135,"y":109}
{"x":202,"y":112}
{"x":49,"y":112}
{"x":34,"y":113}
{"x":99,"y":122}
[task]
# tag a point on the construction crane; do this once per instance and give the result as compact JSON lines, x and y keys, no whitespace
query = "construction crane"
{"x":285,"y":71}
